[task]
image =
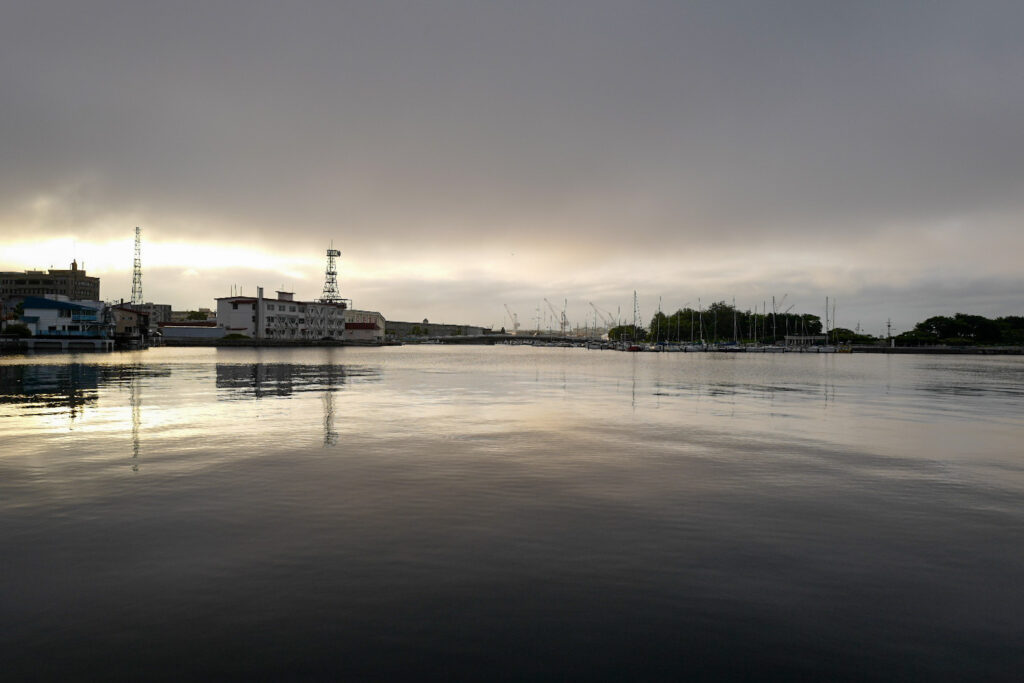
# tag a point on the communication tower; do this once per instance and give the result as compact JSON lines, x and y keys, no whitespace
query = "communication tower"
{"x":137,"y":269}
{"x":331,"y":294}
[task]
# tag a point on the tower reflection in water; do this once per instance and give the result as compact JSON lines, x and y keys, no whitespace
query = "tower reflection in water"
{"x":280,"y":380}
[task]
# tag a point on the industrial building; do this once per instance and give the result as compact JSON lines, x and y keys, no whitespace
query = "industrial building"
{"x":195,"y":330}
{"x":72,"y":283}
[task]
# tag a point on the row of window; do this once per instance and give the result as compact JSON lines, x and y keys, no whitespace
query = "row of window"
{"x":304,"y":333}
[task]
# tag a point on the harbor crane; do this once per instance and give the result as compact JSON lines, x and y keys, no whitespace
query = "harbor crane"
{"x":605,"y":316}
{"x":514,"y":318}
{"x":563,"y":323}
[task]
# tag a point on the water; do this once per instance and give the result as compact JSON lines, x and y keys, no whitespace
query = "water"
{"x":508,"y":512}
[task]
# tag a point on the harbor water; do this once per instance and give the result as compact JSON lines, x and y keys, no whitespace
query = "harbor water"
{"x":511,"y":513}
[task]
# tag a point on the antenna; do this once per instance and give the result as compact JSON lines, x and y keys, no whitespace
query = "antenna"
{"x":137,"y":269}
{"x":331,"y":294}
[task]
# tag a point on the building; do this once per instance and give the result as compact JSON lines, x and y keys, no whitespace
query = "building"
{"x":191,"y":331}
{"x":158,"y":313}
{"x":73,"y":284}
{"x":61,"y":317}
{"x":131,"y":325}
{"x":402,"y":330}
{"x":363,"y":326}
{"x":282,"y":318}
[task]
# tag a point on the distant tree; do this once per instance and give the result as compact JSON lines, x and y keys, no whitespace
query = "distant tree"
{"x":845,"y":336}
{"x":659,"y":327}
{"x":627,"y":333}
{"x":195,"y":315}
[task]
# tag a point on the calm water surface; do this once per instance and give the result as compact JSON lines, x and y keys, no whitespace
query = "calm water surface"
{"x":508,"y":512}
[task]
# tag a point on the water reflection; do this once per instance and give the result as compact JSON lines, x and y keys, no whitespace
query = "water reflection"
{"x":69,"y":387}
{"x":259,"y":380}
{"x":330,"y":435}
{"x":135,"y":401}
{"x":491,"y":508}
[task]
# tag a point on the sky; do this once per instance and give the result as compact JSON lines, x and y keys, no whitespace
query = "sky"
{"x":465,"y":156}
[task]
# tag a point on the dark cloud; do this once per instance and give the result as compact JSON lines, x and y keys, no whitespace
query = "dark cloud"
{"x":594,"y":130}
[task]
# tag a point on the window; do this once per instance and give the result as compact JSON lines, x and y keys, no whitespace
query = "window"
{"x":291,"y":308}
{"x":234,"y":307}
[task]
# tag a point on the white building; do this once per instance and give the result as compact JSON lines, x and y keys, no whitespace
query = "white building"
{"x":58,"y":316}
{"x":282,"y":318}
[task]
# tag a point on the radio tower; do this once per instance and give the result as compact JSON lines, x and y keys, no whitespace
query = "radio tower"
{"x":137,"y":269}
{"x":331,"y":294}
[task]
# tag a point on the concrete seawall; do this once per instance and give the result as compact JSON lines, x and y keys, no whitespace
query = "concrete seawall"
{"x":944,"y":350}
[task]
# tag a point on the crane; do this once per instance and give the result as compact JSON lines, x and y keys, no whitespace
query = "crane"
{"x":557,"y":316}
{"x":514,"y":318}
{"x":606,"y":317}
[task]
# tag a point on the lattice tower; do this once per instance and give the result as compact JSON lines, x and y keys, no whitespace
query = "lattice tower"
{"x":137,"y":269}
{"x":331,"y":294}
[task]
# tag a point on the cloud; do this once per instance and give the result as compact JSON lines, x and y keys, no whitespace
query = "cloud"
{"x":702,"y":147}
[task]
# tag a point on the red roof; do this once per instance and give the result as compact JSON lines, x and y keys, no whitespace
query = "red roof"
{"x":360,"y":326}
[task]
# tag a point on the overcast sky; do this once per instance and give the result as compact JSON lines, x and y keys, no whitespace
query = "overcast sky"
{"x":467,"y":155}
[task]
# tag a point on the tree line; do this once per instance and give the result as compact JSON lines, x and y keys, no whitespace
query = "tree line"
{"x":963,"y":329}
{"x":721,"y":322}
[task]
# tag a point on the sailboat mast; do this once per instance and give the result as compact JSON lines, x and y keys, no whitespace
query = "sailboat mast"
{"x":735,"y":332}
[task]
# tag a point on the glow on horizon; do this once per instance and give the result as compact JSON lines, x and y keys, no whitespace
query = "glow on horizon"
{"x":118,"y":256}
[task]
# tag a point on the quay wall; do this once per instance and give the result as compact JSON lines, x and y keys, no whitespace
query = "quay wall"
{"x":943,"y":350}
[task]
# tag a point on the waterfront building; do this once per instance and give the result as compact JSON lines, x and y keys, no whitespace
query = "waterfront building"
{"x":281,"y":318}
{"x":131,"y":325}
{"x":72,"y":283}
{"x":62,"y":317}
{"x":196,"y":330}
{"x":363,"y":326}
